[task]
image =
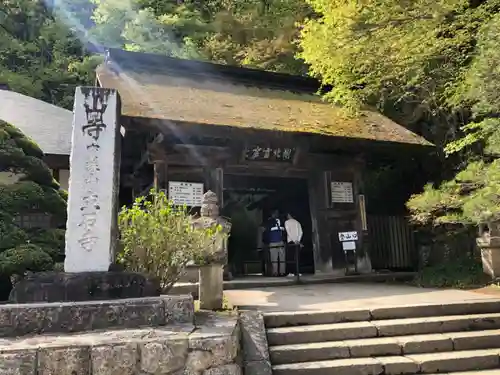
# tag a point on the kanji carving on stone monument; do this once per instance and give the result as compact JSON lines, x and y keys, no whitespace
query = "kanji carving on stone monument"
{"x":95,"y":104}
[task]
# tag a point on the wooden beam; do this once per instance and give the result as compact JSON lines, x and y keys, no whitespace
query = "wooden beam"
{"x":147,"y":157}
{"x":146,"y":190}
{"x":160,"y":175}
{"x":214,"y":179}
{"x":276,"y":171}
{"x":194,"y":155}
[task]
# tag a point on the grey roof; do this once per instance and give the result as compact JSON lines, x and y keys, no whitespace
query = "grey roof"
{"x":48,"y":125}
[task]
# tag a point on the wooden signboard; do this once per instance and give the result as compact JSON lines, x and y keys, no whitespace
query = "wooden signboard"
{"x":276,"y":154}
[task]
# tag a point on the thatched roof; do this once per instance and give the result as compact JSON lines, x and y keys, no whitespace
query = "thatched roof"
{"x":159,"y":87}
{"x":48,"y":125}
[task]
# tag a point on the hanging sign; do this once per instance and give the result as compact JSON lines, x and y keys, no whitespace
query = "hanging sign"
{"x":348,"y":236}
{"x":185,"y":193}
{"x":261,"y":153}
{"x":342,"y":192}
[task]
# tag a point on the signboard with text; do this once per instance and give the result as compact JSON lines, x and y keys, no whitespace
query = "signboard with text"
{"x":348,"y":236}
{"x":261,"y":153}
{"x":185,"y":193}
{"x":342,"y":192}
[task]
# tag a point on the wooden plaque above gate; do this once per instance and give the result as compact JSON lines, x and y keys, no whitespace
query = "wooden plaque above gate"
{"x":273,"y":154}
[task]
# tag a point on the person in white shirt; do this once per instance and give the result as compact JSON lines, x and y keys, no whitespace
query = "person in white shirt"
{"x":293,"y":237}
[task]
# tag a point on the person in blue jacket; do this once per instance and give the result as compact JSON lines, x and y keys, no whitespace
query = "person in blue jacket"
{"x":274,"y":234}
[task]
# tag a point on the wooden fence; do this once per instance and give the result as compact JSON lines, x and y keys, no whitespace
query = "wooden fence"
{"x":392,"y":243}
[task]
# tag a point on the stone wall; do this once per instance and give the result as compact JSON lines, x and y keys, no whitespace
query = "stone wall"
{"x":210,"y":347}
{"x":255,"y":350}
{"x":71,"y":317}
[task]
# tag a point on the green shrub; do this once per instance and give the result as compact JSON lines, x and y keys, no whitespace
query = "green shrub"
{"x":11,"y":235}
{"x":465,"y":272}
{"x":52,"y":241}
{"x":29,"y":257}
{"x":159,"y":239}
{"x":59,"y":267}
{"x":36,"y":191}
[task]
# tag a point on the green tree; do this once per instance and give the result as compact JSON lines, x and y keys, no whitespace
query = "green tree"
{"x":430,"y":65}
{"x":473,"y":195}
{"x":33,"y":249}
{"x":407,"y":58}
{"x":258,"y":34}
{"x":41,"y":56}
{"x":253,"y":33}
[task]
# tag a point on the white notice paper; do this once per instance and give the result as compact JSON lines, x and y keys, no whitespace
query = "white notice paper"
{"x":349,"y":245}
{"x":185,"y":193}
{"x":342,"y":192}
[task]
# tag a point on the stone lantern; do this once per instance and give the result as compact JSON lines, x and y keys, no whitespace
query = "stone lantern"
{"x":211,"y":272}
{"x":489,"y":243}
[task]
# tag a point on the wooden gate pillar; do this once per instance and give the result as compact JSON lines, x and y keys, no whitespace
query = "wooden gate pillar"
{"x":160,"y":175}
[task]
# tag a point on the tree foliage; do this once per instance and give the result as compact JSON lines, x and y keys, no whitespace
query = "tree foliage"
{"x":473,"y":196}
{"x":254,"y":33}
{"x":427,"y":63}
{"x":35,"y":191}
{"x":41,"y":56}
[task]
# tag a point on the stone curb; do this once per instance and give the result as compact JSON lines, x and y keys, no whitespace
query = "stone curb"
{"x":39,"y":318}
{"x":254,"y":344}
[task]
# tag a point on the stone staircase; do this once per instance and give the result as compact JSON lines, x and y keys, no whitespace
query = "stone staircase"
{"x":456,"y":339}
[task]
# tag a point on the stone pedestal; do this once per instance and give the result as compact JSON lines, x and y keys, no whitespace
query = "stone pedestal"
{"x":490,"y":258}
{"x":83,"y":286}
{"x":490,"y":254}
{"x":210,"y":290}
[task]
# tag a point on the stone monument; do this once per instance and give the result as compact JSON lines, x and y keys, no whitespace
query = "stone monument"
{"x":211,"y":272}
{"x":94,"y":180}
{"x":91,"y":231}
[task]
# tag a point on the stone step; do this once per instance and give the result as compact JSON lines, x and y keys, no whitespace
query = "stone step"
{"x":478,"y":372}
{"x":412,"y":364}
{"x":382,"y":328}
{"x":296,"y":318}
{"x":384,"y":346}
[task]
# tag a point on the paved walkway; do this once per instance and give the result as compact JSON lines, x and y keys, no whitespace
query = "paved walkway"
{"x":343,"y":296}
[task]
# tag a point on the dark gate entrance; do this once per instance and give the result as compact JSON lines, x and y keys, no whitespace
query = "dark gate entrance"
{"x":248,"y":202}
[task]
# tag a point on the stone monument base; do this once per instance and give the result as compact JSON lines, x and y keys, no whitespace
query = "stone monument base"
{"x":85,"y":286}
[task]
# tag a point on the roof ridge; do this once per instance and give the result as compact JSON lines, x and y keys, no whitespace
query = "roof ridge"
{"x":189,"y":68}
